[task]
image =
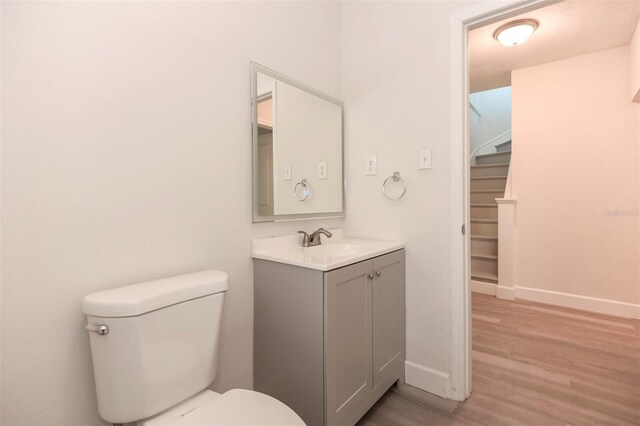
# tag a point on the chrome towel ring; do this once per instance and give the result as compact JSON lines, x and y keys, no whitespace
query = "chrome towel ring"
{"x":302,"y":190}
{"x":395,"y":177}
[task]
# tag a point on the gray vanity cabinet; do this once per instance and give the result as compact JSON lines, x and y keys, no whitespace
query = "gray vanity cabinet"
{"x":329,"y":344}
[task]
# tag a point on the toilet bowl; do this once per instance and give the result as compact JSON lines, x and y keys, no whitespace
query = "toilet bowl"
{"x":235,"y":407}
{"x":154,"y":347}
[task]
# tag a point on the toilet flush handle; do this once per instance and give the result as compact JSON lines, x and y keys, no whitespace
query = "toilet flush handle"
{"x":100,"y":329}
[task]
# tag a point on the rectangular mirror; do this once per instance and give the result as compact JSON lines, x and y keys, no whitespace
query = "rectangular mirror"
{"x":297,"y":149}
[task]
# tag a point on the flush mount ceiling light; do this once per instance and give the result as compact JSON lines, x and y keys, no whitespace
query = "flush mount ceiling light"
{"x":515,"y":32}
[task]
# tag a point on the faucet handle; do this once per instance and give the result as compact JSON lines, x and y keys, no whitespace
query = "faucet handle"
{"x":319,"y":231}
{"x":314,"y":238}
{"x":305,"y":238}
{"x":325,"y":232}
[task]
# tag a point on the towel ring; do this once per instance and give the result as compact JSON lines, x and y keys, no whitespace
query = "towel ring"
{"x":302,"y":190}
{"x":395,"y":177}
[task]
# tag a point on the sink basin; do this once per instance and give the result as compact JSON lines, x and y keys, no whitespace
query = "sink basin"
{"x":325,"y":253}
{"x":333,"y":253}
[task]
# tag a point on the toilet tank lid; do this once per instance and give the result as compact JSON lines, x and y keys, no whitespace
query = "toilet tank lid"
{"x":137,"y":299}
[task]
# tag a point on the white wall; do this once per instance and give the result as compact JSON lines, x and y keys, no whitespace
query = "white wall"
{"x":1,"y":382}
{"x":495,"y":118}
{"x":127,"y":156}
{"x":634,"y":46}
{"x":395,"y":81}
{"x":575,"y":175}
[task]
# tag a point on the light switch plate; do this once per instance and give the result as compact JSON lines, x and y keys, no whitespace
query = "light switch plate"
{"x":424,"y":160}
{"x":370,"y":165}
{"x":322,"y":169}
{"x":287,"y":172}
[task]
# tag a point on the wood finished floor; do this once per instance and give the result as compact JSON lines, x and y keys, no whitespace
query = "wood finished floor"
{"x":534,"y":364}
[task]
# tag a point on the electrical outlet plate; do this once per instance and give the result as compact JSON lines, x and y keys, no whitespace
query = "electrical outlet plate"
{"x":370,"y":165}
{"x":322,"y":169}
{"x":424,"y":159}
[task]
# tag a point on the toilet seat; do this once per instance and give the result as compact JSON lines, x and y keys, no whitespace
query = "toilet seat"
{"x":235,"y":407}
{"x":242,"y":407}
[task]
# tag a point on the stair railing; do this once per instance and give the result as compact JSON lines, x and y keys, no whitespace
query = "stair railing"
{"x":474,"y":109}
{"x":490,"y":141}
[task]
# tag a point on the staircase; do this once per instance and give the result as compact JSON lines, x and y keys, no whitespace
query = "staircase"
{"x":488,"y":180}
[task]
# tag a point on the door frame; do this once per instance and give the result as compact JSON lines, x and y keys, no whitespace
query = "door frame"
{"x":460,"y":23}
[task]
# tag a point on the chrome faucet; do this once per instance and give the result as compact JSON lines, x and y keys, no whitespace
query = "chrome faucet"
{"x":314,"y":239}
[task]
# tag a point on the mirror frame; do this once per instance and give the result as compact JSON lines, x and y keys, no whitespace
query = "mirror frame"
{"x":257,"y":218}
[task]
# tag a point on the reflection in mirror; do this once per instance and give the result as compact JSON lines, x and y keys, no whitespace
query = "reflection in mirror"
{"x":297,"y":150}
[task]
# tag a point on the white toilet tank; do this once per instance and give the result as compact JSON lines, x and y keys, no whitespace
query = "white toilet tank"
{"x":161,"y":346}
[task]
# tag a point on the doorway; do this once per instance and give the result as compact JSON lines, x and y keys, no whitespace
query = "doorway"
{"x":479,"y":17}
{"x":460,"y":24}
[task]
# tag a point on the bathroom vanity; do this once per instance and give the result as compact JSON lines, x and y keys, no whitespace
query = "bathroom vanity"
{"x":329,"y":319}
{"x":329,"y":324}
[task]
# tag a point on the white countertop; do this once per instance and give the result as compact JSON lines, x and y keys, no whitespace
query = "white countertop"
{"x":333,"y":253}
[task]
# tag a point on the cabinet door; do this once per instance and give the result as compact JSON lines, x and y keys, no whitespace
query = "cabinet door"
{"x":388,"y":314}
{"x":347,"y":342}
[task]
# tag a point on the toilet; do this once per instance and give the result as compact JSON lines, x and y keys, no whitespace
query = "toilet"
{"x":154,"y":347}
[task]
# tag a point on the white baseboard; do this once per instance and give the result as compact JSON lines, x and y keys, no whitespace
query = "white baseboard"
{"x":508,"y":293}
{"x":585,"y":303}
{"x":484,"y":288}
{"x":428,"y":379}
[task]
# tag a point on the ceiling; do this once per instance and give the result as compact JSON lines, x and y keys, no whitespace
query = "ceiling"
{"x":567,"y":29}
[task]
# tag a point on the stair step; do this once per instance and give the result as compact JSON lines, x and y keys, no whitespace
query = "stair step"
{"x":486,"y":196}
{"x":484,"y":256}
{"x":494,"y":158}
{"x":484,"y":264}
{"x":484,"y":238}
{"x":490,"y":170}
{"x":484,"y":245}
{"x":484,"y":211}
{"x":488,"y":166}
{"x":479,"y":276}
{"x":489,"y":182}
{"x":504,"y":146}
{"x":484,"y":227}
